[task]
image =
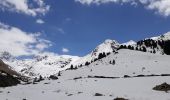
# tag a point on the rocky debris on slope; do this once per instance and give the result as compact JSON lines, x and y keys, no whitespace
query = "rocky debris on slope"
{"x":162,"y":87}
{"x":120,"y":99}
{"x":5,"y":68}
{"x":8,"y":77}
{"x":35,"y":80}
{"x":107,"y":77}
{"x":125,"y":76}
{"x":53,"y":77}
{"x":98,"y":94}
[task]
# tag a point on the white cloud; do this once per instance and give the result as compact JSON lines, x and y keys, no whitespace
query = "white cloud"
{"x":65,"y":50}
{"x":40,"y":21}
{"x":98,"y":2}
{"x":42,"y":46}
{"x":19,"y":43}
{"x":60,"y":30}
{"x":33,"y":8}
{"x":47,"y":54}
{"x":161,"y":7}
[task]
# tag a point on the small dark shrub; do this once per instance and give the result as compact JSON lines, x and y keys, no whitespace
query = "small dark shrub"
{"x":53,"y":77}
{"x":98,"y":94}
{"x":162,"y":87}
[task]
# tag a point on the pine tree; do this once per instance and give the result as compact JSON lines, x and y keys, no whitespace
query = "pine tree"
{"x":104,"y":55}
{"x":113,"y":62}
{"x":154,"y":51}
{"x":167,"y":47}
{"x":144,"y":49}
{"x":71,"y":67}
{"x":87,"y":63}
{"x":137,"y":48}
{"x":101,"y":55}
{"x":40,"y":78}
{"x":108,"y":53}
{"x":59,"y":73}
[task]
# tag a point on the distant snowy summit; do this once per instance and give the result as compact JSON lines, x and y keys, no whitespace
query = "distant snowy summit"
{"x":43,"y":64}
{"x":6,"y":56}
{"x":131,"y":42}
{"x":164,"y":37}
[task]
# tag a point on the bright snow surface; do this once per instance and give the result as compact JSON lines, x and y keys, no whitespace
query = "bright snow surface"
{"x":128,"y":62}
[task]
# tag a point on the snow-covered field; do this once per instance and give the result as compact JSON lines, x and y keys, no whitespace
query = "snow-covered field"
{"x":76,"y":85}
{"x":85,"y":89}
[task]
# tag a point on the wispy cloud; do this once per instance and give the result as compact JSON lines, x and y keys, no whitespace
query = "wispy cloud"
{"x":60,"y":30}
{"x":65,"y":50}
{"x":34,"y":8}
{"x":40,"y":21}
{"x":161,"y":7}
{"x":98,"y":2}
{"x":68,"y":19}
{"x":19,"y":43}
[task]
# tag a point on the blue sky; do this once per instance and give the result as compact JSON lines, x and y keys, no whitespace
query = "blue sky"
{"x":79,"y":26}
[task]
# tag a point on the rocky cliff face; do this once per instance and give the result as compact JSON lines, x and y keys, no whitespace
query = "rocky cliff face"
{"x":7,"y":76}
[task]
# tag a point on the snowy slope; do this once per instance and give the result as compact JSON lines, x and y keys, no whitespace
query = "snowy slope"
{"x":108,"y":46}
{"x":76,"y":85}
{"x":127,"y":62}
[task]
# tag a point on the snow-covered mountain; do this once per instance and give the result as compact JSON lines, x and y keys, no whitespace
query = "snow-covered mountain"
{"x":6,"y":56}
{"x":132,"y":76}
{"x":44,"y":65}
{"x":49,"y":64}
{"x":158,"y":44}
{"x":131,"y":42}
{"x":107,"y":47}
{"x":164,"y":37}
{"x":111,"y":70}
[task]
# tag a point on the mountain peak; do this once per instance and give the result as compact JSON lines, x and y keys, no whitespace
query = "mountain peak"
{"x":6,"y":56}
{"x":106,"y":47}
{"x":166,"y":36}
{"x":168,"y":33}
{"x":131,"y":42}
{"x":109,"y":41}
